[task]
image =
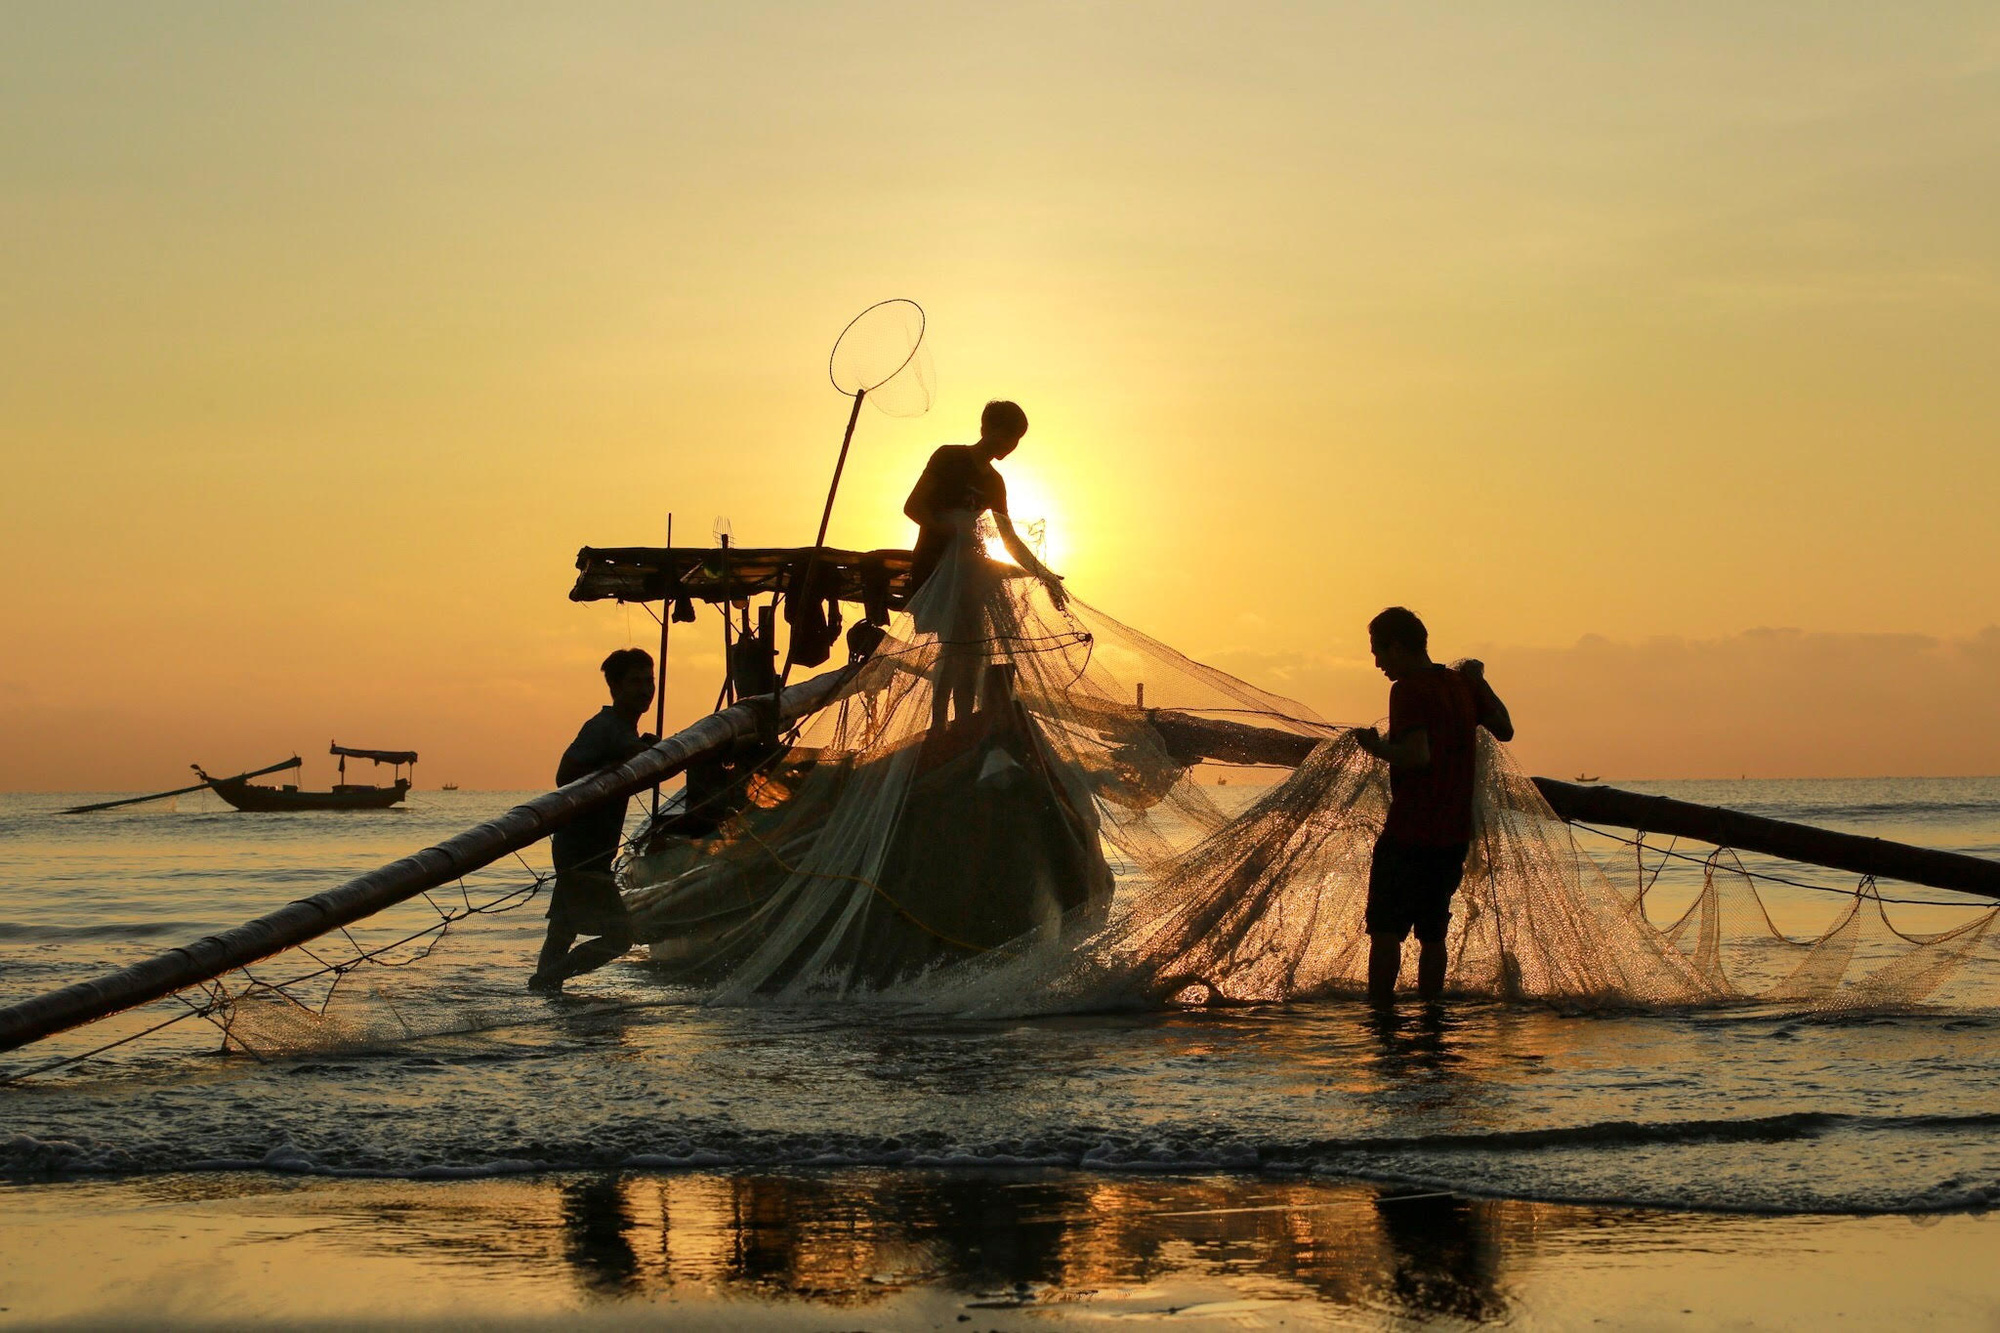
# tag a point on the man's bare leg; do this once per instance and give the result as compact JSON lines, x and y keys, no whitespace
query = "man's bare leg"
{"x":554,"y":949}
{"x":956,"y":689}
{"x":593,"y":954}
{"x":965,"y":688}
{"x":1385,"y":960}
{"x":1431,"y":964}
{"x":548,"y":967}
{"x":944,"y":686}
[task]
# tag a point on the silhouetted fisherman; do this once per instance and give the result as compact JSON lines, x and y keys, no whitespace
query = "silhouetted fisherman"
{"x":958,"y":485}
{"x":1435,"y":712}
{"x":585,"y":900}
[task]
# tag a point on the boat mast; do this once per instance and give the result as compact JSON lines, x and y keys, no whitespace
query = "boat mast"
{"x":666,"y":618}
{"x":825,"y":517}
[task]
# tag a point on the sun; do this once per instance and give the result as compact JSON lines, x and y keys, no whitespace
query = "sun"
{"x":1035,"y":517}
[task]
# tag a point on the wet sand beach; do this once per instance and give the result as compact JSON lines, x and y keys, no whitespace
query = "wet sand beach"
{"x":628,"y":1153}
{"x":972,"y":1249}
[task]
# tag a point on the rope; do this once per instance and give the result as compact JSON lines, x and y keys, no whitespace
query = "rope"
{"x":219,"y":1000}
{"x":1747,"y":873}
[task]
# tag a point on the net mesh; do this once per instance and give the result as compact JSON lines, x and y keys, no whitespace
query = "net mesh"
{"x":993,"y":822}
{"x":881,"y":353}
{"x":995,"y":819}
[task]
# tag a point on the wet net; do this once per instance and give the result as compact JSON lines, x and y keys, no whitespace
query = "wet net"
{"x":1002,"y":816}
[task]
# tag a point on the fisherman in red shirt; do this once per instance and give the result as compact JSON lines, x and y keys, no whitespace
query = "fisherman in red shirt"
{"x":1434,"y":714}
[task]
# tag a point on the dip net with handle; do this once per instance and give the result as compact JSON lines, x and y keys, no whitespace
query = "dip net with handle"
{"x":1049,"y":849}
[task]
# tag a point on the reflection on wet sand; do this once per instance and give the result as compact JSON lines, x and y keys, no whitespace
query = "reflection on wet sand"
{"x":1018,"y":1239}
{"x":937,"y":1248}
{"x":596,"y":1222}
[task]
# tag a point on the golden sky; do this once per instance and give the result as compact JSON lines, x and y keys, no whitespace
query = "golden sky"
{"x":1647,"y":350}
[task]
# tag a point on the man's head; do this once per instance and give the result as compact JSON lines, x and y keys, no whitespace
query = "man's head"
{"x":1401,"y":644}
{"x":629,"y":674}
{"x":1001,"y":427}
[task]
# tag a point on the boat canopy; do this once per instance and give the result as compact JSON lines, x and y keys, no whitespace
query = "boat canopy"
{"x":711,"y":574}
{"x":379,"y":756}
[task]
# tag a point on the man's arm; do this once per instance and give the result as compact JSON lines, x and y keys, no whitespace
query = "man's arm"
{"x":918,"y":508}
{"x":596,"y":747}
{"x":921,"y":507}
{"x":1493,"y":714}
{"x":1025,"y":558}
{"x":1411,"y":750}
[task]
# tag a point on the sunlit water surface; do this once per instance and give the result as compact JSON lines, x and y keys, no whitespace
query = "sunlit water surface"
{"x":1750,"y":1110}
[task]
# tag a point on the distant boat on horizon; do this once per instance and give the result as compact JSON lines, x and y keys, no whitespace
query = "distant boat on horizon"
{"x":241,"y":793}
{"x":449,"y":786}
{"x":1583,"y":778}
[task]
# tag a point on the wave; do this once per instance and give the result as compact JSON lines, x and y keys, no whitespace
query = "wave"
{"x":1432,"y":1161}
{"x":109,"y":930}
{"x":1834,"y":812}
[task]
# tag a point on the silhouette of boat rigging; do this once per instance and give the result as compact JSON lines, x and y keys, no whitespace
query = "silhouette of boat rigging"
{"x":240,"y":792}
{"x":345,"y":795}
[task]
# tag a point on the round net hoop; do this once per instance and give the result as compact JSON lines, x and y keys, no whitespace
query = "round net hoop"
{"x":876,"y":346}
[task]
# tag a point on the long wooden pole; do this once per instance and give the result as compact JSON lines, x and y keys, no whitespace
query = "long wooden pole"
{"x":1851,"y":852}
{"x":825,"y":518}
{"x":728,"y":694}
{"x":660,"y":698}
{"x":203,"y":785}
{"x":1189,"y":738}
{"x":44,"y":1015}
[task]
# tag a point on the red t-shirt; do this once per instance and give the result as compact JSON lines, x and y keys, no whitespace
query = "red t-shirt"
{"x":1432,"y":806}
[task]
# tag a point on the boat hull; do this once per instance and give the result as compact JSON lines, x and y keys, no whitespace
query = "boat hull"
{"x":268,"y":800}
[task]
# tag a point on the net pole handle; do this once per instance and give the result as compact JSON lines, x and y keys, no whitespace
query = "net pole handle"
{"x":728,"y":631}
{"x":666,"y":618}
{"x":825,"y":517}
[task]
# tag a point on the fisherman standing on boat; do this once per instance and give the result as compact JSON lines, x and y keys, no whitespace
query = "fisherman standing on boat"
{"x":585,"y":900}
{"x":1435,"y":712}
{"x":950,"y":577}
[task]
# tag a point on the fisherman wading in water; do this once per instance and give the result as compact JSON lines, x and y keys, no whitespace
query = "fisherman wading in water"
{"x":585,"y":900}
{"x":1434,"y":715}
{"x":950,"y":574}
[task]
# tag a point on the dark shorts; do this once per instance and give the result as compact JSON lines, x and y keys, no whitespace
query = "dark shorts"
{"x":1410,"y":888}
{"x":587,"y":902}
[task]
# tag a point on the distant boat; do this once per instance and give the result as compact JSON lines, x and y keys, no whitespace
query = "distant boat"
{"x":242,"y":794}
{"x":1582,"y":778}
{"x":449,"y":786}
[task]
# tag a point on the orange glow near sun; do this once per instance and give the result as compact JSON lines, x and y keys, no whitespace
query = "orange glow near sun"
{"x":1032,"y":507}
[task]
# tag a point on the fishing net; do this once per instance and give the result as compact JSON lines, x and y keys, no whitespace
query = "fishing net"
{"x":881,"y":354}
{"x":1001,"y":817}
{"x":438,"y":965}
{"x":1003,"y":814}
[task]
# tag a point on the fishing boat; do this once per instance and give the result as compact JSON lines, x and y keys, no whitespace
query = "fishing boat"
{"x":245,"y":795}
{"x":1011,"y":775}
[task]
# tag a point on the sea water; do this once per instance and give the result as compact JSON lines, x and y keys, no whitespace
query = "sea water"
{"x":446,"y":1067}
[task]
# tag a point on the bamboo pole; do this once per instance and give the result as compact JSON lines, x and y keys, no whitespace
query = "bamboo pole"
{"x":660,"y":698}
{"x":203,"y":785}
{"x":528,"y":823}
{"x":1190,"y":738}
{"x":1852,"y":852}
{"x":825,"y":517}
